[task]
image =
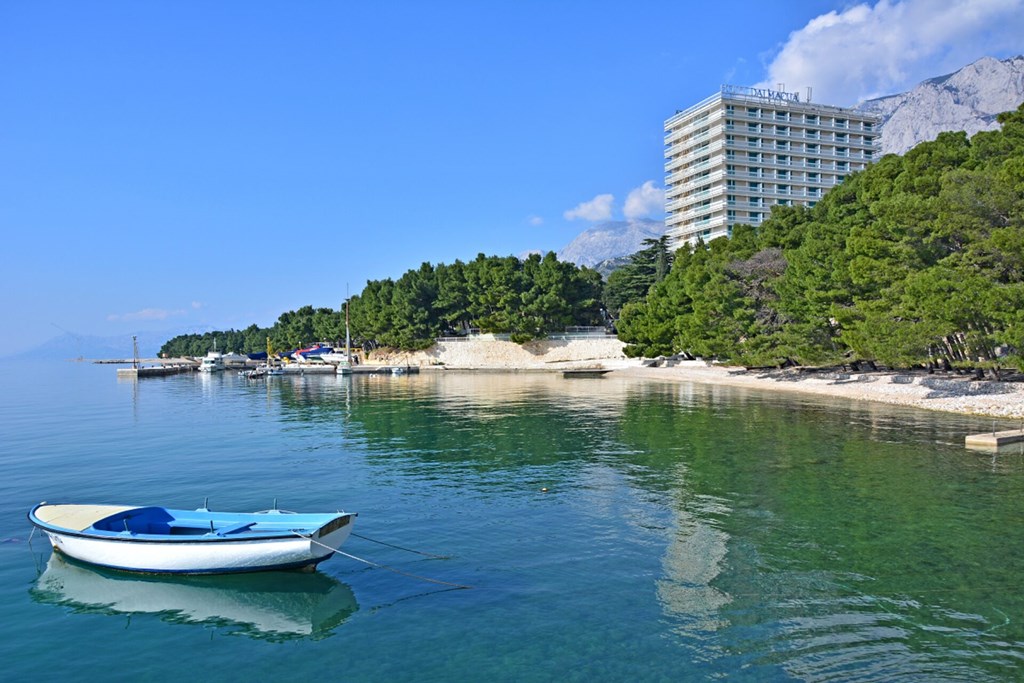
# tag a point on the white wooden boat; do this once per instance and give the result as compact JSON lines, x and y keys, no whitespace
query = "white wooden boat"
{"x":163,"y":540}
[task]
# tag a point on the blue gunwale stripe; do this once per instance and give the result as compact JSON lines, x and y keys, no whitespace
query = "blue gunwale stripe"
{"x":250,"y":537}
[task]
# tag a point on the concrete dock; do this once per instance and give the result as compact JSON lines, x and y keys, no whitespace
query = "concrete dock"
{"x":154,"y":371}
{"x":993,"y":440}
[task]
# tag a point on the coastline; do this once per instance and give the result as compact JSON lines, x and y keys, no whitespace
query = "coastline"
{"x":946,"y":393}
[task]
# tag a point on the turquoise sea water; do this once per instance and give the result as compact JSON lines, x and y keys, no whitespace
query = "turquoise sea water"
{"x":687,"y":532}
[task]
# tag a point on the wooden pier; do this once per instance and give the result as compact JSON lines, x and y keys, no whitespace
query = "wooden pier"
{"x":993,"y":440}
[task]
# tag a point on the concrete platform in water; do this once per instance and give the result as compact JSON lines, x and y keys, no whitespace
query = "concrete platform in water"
{"x":993,"y":440}
{"x":154,"y":371}
{"x":364,"y":369}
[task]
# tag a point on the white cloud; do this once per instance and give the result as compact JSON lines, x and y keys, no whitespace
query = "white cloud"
{"x":869,"y":50}
{"x":145,"y":314}
{"x":645,"y":201}
{"x":196,"y":305}
{"x":597,"y":209}
{"x":535,"y":221}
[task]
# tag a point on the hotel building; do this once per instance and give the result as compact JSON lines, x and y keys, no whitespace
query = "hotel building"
{"x":731,"y":157}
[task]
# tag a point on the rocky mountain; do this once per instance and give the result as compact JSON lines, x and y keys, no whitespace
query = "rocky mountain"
{"x":610,"y":240}
{"x":968,"y":100}
{"x":69,"y":346}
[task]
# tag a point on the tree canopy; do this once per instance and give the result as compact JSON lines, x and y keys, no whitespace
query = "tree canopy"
{"x":525,"y":298}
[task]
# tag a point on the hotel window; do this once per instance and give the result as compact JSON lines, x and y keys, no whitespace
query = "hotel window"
{"x":730,"y":199}
{"x":782,"y":130}
{"x":756,"y":187}
{"x":812,"y":148}
{"x":730,"y":170}
{"x":812,"y":119}
{"x":730,"y":124}
{"x":867,"y":125}
{"x":782,"y":189}
{"x":730,"y":185}
{"x":841,"y":123}
{"x":782,"y":175}
{"x":754,"y":172}
{"x":842,"y":166}
{"x":730,"y":214}
{"x":841,"y":137}
{"x":755,"y":217}
{"x":812,"y":163}
{"x":754,"y":112}
{"x":730,"y":139}
{"x":784,"y":202}
{"x":730,"y":109}
{"x":753,"y":142}
{"x":782,"y":160}
{"x":782,"y":144}
{"x":754,"y":157}
{"x":840,"y":178}
{"x":812,"y":177}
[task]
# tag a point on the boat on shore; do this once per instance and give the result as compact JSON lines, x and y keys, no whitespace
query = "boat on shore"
{"x":160,"y":540}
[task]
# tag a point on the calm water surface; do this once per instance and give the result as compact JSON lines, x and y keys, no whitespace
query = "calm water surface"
{"x":688,"y":532}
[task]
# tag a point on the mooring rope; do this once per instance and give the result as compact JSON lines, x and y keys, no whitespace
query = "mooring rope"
{"x":379,"y":565}
{"x":398,"y":547}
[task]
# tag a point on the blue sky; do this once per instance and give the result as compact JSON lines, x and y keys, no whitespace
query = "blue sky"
{"x":182,"y":165}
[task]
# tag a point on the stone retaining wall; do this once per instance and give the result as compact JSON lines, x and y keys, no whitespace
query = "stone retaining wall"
{"x":546,"y":354}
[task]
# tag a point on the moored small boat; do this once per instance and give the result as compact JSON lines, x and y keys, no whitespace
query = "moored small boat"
{"x":163,"y":540}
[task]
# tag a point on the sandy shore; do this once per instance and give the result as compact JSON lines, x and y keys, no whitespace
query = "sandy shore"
{"x":948,"y":393}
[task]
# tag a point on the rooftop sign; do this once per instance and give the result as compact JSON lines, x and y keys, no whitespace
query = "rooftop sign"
{"x":760,"y":93}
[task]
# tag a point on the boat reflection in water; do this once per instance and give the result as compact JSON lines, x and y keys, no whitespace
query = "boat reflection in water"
{"x":271,"y":605}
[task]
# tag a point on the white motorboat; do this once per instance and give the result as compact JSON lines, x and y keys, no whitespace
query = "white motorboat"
{"x":340,"y":361}
{"x":212,"y":362}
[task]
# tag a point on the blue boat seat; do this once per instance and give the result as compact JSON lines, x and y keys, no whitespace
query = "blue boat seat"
{"x":234,"y":528}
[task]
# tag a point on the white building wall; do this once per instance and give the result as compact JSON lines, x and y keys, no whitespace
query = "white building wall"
{"x":732,"y":156}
